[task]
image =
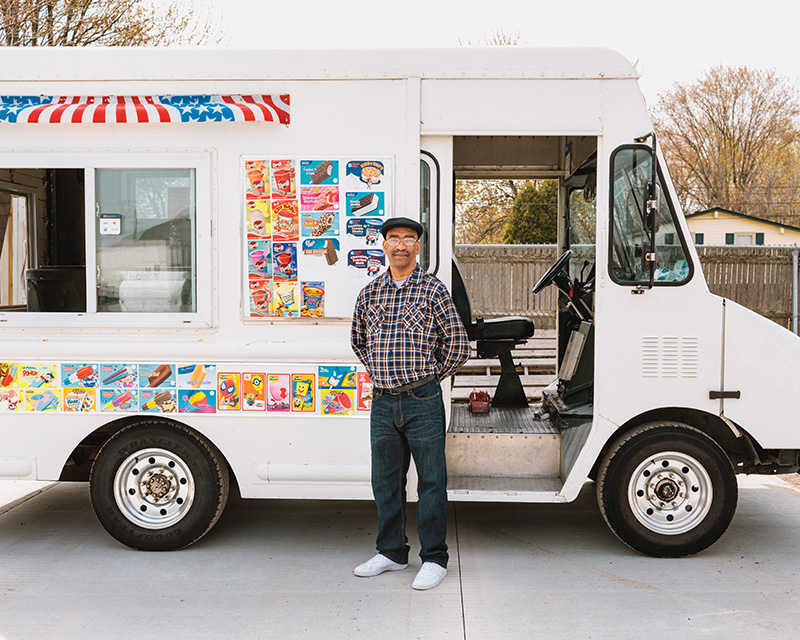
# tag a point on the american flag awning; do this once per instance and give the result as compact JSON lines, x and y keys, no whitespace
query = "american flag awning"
{"x":144,"y":109}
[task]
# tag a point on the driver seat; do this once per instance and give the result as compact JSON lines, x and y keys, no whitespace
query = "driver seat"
{"x":496,"y":338}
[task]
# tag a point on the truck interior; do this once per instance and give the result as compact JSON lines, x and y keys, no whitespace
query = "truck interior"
{"x":518,"y":446}
{"x":144,"y":243}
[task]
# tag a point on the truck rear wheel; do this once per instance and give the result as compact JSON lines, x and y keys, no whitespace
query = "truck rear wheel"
{"x":667,"y":490}
{"x":158,"y":486}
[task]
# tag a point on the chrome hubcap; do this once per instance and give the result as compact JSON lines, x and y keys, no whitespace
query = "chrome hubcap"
{"x":154,"y":488}
{"x":670,"y":493}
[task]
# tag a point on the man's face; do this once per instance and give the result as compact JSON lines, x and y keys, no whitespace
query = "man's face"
{"x":399,"y":254}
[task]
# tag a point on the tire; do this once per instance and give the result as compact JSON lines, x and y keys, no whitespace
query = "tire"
{"x":667,"y":490}
{"x":158,"y":486}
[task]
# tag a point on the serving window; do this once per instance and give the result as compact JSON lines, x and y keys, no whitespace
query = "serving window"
{"x":114,"y":242}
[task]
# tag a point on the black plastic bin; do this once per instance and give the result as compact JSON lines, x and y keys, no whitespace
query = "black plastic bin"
{"x":56,"y":289}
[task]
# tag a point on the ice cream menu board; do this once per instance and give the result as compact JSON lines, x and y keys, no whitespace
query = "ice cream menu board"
{"x":312,"y":230}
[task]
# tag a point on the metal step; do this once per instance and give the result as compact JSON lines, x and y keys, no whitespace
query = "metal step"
{"x":504,"y":443}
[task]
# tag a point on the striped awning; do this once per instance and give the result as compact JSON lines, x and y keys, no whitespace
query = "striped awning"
{"x":144,"y":109}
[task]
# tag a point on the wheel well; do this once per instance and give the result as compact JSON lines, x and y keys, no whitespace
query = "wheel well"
{"x":79,"y":463}
{"x":742,"y":450}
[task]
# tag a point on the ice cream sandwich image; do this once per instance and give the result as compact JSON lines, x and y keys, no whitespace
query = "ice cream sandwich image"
{"x":365,"y":205}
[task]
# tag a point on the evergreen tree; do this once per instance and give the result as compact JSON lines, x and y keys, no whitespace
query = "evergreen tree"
{"x":534,"y":216}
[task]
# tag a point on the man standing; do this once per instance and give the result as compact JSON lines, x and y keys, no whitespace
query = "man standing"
{"x":407,"y":333}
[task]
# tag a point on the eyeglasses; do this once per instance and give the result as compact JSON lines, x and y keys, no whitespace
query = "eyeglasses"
{"x":393,"y":242}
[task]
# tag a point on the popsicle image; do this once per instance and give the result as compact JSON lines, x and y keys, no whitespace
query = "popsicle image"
{"x":79,"y":375}
{"x":198,"y":375}
{"x":119,"y":400}
{"x":199,"y":403}
{"x":10,"y":374}
{"x":157,"y":401}
{"x":44,"y":401}
{"x":44,"y":376}
{"x":119,"y":375}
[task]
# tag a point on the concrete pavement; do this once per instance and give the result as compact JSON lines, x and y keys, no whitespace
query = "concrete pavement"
{"x":275,"y":569}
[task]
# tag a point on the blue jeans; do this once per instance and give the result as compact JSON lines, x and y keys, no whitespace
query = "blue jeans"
{"x":401,"y":426}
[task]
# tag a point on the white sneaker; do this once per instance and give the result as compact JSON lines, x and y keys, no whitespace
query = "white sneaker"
{"x":376,"y":566}
{"x":429,"y":576}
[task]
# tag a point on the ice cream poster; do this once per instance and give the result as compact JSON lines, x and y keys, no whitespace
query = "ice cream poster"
{"x":257,"y":173}
{"x":279,"y":392}
{"x":287,"y":300}
{"x":319,"y":198}
{"x":365,"y":262}
{"x":79,"y":375}
{"x":318,"y":224}
{"x":197,"y":401}
{"x":119,"y":400}
{"x":10,"y":400}
{"x":118,"y":375}
{"x":363,"y":391}
{"x":260,"y":257}
{"x":327,"y":249}
{"x":319,"y":172}
{"x":253,"y":395}
{"x":303,"y":392}
{"x":157,"y":376}
{"x":80,"y":399}
{"x":158,"y":400}
{"x":284,"y":260}
{"x":337,"y":402}
{"x":42,"y":399}
{"x":229,"y":387}
{"x":8,"y":374}
{"x":368,"y":172}
{"x":313,"y":299}
{"x":285,"y":220}
{"x":367,"y":230}
{"x":36,"y":376}
{"x":337,"y":377}
{"x":197,"y":376}
{"x":261,"y":296}
{"x":360,"y":203}
{"x":283,"y":183}
{"x":259,"y":219}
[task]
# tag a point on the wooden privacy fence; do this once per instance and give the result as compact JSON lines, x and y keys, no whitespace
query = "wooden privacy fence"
{"x":499,"y":279}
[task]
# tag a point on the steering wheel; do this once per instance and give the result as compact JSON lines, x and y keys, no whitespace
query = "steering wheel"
{"x":553,"y":271}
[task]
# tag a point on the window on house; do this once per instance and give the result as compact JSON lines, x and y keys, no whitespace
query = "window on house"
{"x":745,"y":239}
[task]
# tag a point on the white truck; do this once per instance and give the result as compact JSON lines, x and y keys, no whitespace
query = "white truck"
{"x":184,"y":233}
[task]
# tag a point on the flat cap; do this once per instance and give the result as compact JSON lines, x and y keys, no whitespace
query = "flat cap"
{"x":406,"y":223}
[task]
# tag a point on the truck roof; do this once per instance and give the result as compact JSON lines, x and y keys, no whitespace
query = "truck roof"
{"x":32,"y":64}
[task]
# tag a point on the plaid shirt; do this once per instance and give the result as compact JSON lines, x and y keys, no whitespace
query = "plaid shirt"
{"x":406,"y":334}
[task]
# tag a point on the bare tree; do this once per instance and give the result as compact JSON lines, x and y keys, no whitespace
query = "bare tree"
{"x":497,"y":38}
{"x":731,"y":140}
{"x":104,"y":23}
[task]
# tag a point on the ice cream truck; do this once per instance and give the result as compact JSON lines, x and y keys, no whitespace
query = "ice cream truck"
{"x":184,"y":233}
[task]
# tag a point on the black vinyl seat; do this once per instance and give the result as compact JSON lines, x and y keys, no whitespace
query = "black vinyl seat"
{"x":496,"y":338}
{"x":514,"y":328}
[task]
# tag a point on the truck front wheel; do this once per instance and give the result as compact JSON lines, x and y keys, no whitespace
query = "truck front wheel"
{"x":158,"y":486}
{"x":667,"y":490}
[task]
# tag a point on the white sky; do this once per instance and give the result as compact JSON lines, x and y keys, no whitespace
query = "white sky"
{"x":669,"y":40}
